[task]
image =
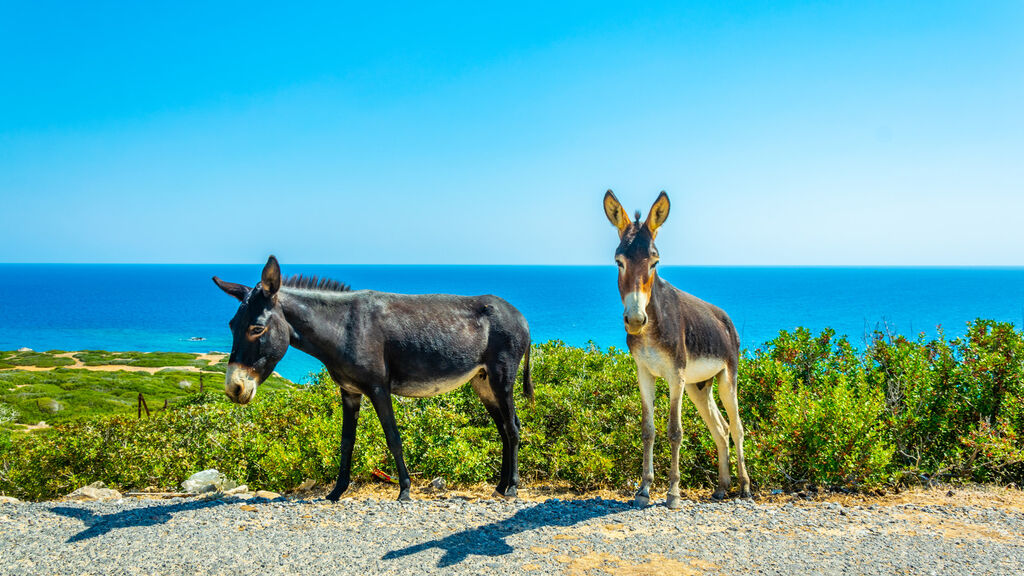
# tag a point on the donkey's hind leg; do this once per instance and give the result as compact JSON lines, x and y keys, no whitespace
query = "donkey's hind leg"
{"x":709,"y":412}
{"x":501,"y":375}
{"x":727,"y":392}
{"x":483,"y":390}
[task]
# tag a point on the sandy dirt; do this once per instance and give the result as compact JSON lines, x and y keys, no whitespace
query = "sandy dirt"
{"x":1009,"y":499}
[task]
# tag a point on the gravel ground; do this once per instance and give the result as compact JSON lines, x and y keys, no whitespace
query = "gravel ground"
{"x":460,"y":535}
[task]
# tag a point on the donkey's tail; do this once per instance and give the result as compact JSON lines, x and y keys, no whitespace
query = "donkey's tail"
{"x":527,"y":382}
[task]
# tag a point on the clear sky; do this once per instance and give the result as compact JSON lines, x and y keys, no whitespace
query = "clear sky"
{"x":831,"y":133}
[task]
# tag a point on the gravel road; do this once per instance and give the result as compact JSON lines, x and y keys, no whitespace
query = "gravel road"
{"x":455,"y":535}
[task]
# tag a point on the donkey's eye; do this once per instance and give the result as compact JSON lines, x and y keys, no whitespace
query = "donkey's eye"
{"x":620,"y":263}
{"x":257,"y":330}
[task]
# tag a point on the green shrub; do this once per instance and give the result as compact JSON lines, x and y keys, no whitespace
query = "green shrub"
{"x":816,"y":411}
{"x":37,"y":359}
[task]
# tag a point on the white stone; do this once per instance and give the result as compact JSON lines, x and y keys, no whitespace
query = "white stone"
{"x":207,"y":481}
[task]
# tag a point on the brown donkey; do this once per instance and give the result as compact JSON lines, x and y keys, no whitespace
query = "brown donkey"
{"x":678,"y":337}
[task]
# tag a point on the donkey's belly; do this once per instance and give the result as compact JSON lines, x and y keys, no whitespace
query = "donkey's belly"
{"x":434,"y":387}
{"x":701,"y":369}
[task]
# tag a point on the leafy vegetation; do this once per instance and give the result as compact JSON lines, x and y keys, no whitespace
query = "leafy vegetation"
{"x":141,"y":359}
{"x":65,"y":394}
{"x":816,"y":411}
{"x":35,"y":359}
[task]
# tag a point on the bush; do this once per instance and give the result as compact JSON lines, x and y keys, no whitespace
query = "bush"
{"x":811,"y":415}
{"x":816,"y":411}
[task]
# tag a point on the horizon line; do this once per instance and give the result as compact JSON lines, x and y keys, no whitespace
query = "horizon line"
{"x":780,"y":266}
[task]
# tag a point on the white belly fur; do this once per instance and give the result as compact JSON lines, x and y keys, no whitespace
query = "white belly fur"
{"x":662,"y":365}
{"x":434,"y":387}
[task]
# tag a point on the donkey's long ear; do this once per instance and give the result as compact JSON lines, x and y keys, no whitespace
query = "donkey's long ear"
{"x":658,"y":214}
{"x":237,"y":290}
{"x":271,"y":280}
{"x":615,"y":212}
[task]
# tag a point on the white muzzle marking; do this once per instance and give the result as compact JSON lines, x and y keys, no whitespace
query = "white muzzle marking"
{"x":635,"y":314}
{"x":240,"y":383}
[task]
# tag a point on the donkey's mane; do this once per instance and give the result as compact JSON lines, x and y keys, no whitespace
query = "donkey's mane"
{"x":316,"y":283}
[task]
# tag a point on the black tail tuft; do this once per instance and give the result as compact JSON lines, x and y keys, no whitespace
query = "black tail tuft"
{"x":527,"y":382}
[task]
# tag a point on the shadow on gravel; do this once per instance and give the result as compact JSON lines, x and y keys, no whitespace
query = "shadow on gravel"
{"x":489,"y":540}
{"x":100,"y":524}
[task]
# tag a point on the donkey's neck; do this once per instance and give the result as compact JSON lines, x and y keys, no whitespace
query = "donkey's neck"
{"x":315,"y":318}
{"x":655,"y":313}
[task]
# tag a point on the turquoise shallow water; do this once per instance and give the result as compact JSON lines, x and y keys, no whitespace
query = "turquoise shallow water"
{"x":159,"y":307}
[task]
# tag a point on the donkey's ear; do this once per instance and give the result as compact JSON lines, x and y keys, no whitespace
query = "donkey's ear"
{"x":659,"y":213}
{"x":615,"y":212}
{"x":271,"y":280}
{"x":237,"y":290}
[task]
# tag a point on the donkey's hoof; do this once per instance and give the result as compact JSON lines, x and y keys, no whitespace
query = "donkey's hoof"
{"x":641,"y":500}
{"x":511,"y":493}
{"x":718,"y":495}
{"x":674,"y":502}
{"x":746,"y":493}
{"x":403,"y":496}
{"x":497,"y":494}
{"x":334,"y":495}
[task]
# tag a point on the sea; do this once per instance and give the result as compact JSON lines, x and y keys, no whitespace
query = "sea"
{"x":178,"y":308}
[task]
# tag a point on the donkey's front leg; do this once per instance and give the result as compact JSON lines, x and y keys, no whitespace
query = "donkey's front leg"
{"x":646,"y":381}
{"x":385,"y":412}
{"x":675,"y":438}
{"x":350,"y":417}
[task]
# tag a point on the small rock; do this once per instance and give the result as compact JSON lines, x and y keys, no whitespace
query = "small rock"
{"x":237,"y":490}
{"x":307,"y":484}
{"x":25,"y":350}
{"x":438,"y":483}
{"x":267,"y":494}
{"x":950,"y":493}
{"x":8,"y":500}
{"x":95,"y":491}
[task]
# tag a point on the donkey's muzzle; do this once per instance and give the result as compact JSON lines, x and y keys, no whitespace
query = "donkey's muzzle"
{"x":635,"y":314}
{"x":240,"y":383}
{"x":635,"y":324}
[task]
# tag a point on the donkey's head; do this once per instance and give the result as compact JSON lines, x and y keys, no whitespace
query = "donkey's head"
{"x":636,"y":256}
{"x":260,"y":334}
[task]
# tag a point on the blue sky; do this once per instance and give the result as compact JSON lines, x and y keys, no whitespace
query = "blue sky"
{"x":832,"y":133}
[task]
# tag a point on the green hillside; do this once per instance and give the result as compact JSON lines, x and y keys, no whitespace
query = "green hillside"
{"x":88,"y":383}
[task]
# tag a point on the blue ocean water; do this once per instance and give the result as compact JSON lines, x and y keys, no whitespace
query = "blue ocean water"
{"x":159,"y":307}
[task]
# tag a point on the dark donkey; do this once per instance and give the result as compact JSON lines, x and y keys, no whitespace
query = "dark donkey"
{"x":678,"y":337}
{"x":376,"y":344}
